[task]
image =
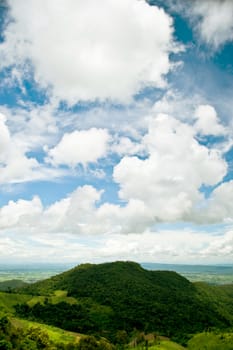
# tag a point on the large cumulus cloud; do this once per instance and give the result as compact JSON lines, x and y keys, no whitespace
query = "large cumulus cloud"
{"x":84,"y":51}
{"x":162,"y":184}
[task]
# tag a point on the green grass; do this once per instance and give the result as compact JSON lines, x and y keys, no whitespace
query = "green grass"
{"x":162,"y":345}
{"x":55,"y":334}
{"x":34,"y":300}
{"x":58,"y":297}
{"x":168,"y":345}
{"x":211,"y":341}
{"x":60,"y":293}
{"x":8,"y":300}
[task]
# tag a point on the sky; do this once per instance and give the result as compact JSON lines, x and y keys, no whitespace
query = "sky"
{"x":116,"y":131}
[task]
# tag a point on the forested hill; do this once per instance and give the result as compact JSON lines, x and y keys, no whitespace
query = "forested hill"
{"x":95,"y":280}
{"x":123,"y":295}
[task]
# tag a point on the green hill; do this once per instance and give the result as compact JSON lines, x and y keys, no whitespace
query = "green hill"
{"x":124,"y":296}
{"x":11,"y":284}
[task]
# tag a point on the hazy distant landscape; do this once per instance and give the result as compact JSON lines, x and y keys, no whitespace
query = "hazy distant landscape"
{"x":32,"y":272}
{"x":213,"y":274}
{"x":216,"y":274}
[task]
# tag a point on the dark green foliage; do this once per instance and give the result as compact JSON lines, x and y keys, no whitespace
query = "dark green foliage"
{"x":8,"y":286}
{"x":77,"y":318}
{"x":88,"y":343}
{"x":4,"y":325}
{"x":5,"y":345}
{"x":124,"y":296}
{"x":221,"y":297}
{"x":91,"y":343}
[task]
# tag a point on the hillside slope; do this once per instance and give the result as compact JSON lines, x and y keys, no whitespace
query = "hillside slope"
{"x":122,"y":295}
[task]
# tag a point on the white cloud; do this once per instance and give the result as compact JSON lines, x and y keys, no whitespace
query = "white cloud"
{"x":4,"y":136}
{"x":220,"y":204}
{"x":79,"y":213}
{"x":159,"y":179}
{"x":163,"y":185}
{"x":15,"y":165}
{"x":216,"y":21}
{"x":80,"y":147}
{"x":33,"y":126}
{"x":125,"y":146}
{"x":208,"y":122}
{"x":23,"y":212}
{"x":220,"y":246}
{"x":212,"y":19}
{"x":168,"y":181}
{"x":76,"y":211}
{"x":82,"y":214}
{"x":168,"y":246}
{"x":18,"y":167}
{"x":198,"y":113}
{"x":173,"y":246}
{"x":83,"y":51}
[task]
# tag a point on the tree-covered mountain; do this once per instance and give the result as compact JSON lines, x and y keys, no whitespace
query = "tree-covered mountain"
{"x":124,"y":296}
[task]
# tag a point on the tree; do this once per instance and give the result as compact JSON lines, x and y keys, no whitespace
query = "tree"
{"x":41,"y":338}
{"x":88,"y":343}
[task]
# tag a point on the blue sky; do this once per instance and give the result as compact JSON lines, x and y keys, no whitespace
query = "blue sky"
{"x":116,"y":131}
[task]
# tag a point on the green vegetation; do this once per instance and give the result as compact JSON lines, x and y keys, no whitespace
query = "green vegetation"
{"x":219,"y":296}
{"x":8,"y":301}
{"x":118,"y":303}
{"x":162,"y":345}
{"x":7,"y":286}
{"x":211,"y":341}
{"x":123,"y":295}
{"x":167,"y":345}
{"x":18,"y":334}
{"x":56,"y":335}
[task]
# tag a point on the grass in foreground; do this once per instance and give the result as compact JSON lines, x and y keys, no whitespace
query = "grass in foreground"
{"x":211,"y":341}
{"x":162,"y":345}
{"x":56,"y":335}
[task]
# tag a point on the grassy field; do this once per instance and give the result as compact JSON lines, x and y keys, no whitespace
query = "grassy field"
{"x":58,"y":297}
{"x":8,"y":300}
{"x":55,"y":334}
{"x":211,"y":341}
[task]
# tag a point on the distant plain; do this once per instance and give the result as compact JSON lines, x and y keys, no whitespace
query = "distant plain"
{"x":213,"y":274}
